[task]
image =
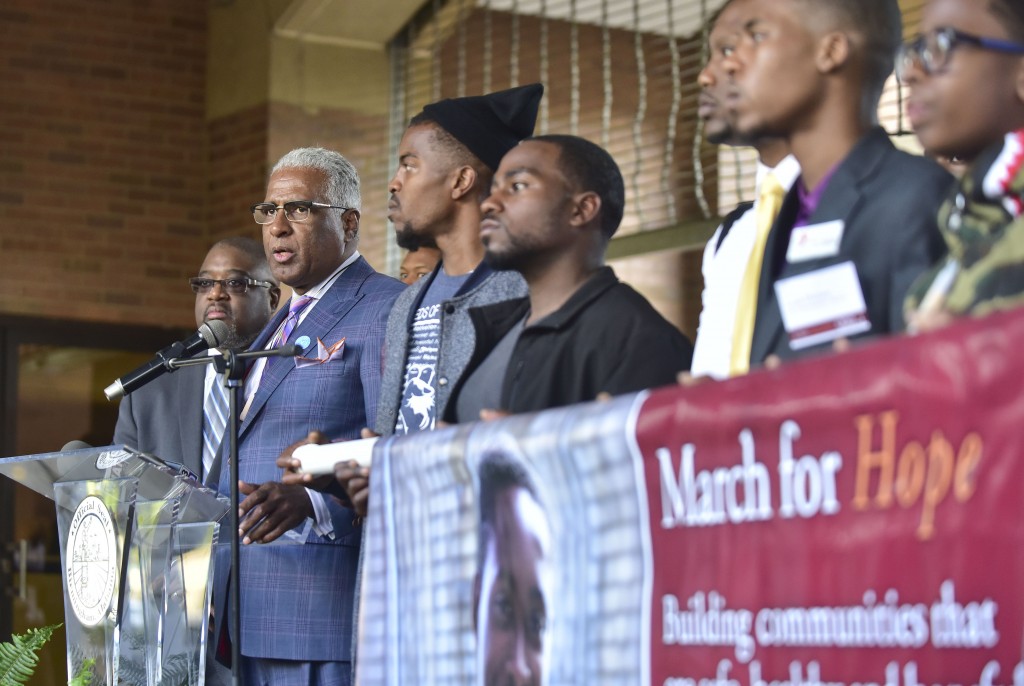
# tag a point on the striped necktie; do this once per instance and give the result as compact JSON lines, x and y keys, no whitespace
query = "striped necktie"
{"x":215,"y":418}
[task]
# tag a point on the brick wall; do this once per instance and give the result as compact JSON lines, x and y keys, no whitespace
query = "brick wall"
{"x":102,"y":158}
{"x":237,"y":171}
{"x":113,"y":184}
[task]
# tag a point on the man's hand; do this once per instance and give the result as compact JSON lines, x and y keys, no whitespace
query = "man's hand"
{"x":929,"y":320}
{"x":839,"y":346}
{"x":356,"y":482}
{"x":291,"y":465}
{"x":689,"y":380}
{"x":492,"y":415}
{"x":270,"y":509}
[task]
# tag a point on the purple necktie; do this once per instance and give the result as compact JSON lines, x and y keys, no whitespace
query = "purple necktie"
{"x":294,"y":310}
{"x":291,"y":321}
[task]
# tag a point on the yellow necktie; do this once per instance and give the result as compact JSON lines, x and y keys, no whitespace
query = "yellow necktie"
{"x":769,"y":201}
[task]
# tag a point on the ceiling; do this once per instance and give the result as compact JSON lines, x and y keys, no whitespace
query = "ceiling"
{"x":658,"y":17}
{"x":352,"y":23}
{"x":370,"y":25}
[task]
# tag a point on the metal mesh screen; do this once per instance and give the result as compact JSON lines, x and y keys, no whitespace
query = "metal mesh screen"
{"x":620,"y":72}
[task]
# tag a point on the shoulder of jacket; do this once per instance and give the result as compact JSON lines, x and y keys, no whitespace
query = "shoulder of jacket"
{"x":383,"y":282}
{"x":408,"y":296}
{"x":503,"y":285}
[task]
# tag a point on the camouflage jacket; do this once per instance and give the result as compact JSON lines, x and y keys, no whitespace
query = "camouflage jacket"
{"x":983,"y":225}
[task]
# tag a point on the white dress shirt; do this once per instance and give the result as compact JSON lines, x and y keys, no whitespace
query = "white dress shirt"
{"x":723,"y":268}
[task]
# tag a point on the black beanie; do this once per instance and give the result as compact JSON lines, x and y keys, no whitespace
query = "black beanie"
{"x":489,"y":125}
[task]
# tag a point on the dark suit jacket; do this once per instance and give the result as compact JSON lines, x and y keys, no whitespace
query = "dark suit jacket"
{"x":297,"y":600}
{"x":165,"y":418}
{"x":888,"y":200}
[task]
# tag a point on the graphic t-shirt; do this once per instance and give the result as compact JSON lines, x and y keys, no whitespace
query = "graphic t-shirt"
{"x":418,"y":411}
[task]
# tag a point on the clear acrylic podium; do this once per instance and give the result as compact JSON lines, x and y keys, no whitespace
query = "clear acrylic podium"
{"x":137,"y":538}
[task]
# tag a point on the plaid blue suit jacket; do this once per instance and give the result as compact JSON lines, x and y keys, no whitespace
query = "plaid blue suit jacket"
{"x":297,"y":600}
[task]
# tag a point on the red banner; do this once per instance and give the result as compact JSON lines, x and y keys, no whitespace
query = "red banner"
{"x":853,"y":519}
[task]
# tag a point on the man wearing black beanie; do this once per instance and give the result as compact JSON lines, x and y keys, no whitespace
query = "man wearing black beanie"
{"x":446,"y":160}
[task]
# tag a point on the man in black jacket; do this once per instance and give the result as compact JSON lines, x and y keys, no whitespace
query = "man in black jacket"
{"x":555,"y":203}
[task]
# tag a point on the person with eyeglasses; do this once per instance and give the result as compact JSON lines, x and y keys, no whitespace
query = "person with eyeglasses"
{"x":166,"y":416}
{"x":181,"y":417}
{"x":854,"y":231}
{"x":297,"y":600}
{"x":965,"y":73}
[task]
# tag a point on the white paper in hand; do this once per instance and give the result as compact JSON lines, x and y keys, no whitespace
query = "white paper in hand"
{"x":320,"y":459}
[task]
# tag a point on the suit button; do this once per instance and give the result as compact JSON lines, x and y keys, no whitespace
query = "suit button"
{"x":443,"y":381}
{"x":449,"y":309}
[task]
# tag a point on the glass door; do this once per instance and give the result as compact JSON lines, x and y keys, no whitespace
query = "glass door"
{"x":53,"y":395}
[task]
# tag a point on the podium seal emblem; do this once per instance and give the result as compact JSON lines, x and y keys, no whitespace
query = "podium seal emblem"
{"x":110,"y":458}
{"x":91,"y":561}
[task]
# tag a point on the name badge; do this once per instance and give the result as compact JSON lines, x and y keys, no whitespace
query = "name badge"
{"x":815,"y":241}
{"x":822,"y":305}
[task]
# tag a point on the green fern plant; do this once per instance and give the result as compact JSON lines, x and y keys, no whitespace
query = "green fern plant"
{"x":84,"y":677}
{"x":19,"y":658}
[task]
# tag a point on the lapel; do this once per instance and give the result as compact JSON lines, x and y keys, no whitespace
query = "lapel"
{"x":329,"y":310}
{"x":190,"y":415}
{"x":841,"y":200}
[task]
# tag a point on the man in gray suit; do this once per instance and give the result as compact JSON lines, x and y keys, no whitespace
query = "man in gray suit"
{"x":165,"y":417}
{"x":858,"y":226}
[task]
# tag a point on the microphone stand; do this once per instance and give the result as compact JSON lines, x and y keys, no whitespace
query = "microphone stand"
{"x":231,"y":365}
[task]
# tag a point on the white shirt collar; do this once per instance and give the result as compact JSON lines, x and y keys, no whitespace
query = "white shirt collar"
{"x":786,"y":172}
{"x":316,"y":291}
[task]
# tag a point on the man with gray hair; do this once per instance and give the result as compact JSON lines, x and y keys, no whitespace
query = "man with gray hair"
{"x":296,"y":600}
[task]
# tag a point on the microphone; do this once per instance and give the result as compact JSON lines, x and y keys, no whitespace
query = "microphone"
{"x":210,"y":335}
{"x":286,"y":350}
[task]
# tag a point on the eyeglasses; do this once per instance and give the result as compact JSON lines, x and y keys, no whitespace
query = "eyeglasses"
{"x":235,"y":286}
{"x":294,"y":211}
{"x":931,"y":50}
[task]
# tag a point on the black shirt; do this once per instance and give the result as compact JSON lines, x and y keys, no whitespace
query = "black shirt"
{"x":605,"y":338}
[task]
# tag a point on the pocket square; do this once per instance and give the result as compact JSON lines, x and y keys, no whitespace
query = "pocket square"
{"x":323,"y":354}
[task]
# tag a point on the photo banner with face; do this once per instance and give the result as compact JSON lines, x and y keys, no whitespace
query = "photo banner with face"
{"x":559,"y":560}
{"x":847,"y":519}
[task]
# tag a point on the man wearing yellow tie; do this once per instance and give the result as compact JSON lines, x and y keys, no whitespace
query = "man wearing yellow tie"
{"x":857,"y":227}
{"x":732,"y":258}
